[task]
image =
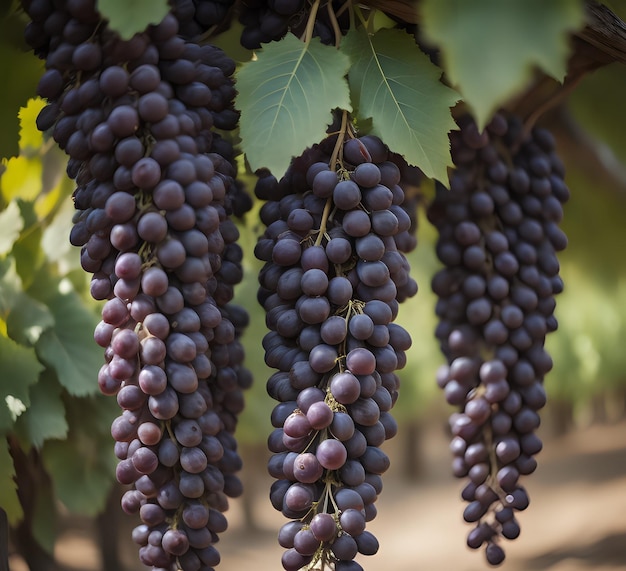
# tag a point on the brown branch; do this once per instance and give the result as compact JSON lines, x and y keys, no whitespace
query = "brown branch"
{"x":604,"y":32}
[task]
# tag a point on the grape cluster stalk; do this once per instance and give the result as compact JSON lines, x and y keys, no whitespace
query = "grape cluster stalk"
{"x":155,"y":192}
{"x":333,"y":278}
{"x":498,"y":239}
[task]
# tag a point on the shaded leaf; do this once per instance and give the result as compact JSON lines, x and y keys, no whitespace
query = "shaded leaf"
{"x":31,"y":138}
{"x":82,"y":466}
{"x":19,"y":369}
{"x":490,"y":48}
{"x":20,"y":70}
{"x":286,"y":97}
{"x":27,"y":249}
{"x":396,"y":85}
{"x":129,"y":18}
{"x":26,"y":318}
{"x":8,"y":488}
{"x":45,"y":417}
{"x":21,"y":179}
{"x":68,"y":347}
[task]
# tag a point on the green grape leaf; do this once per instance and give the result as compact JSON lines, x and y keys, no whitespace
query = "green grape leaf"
{"x":393,"y":83}
{"x":66,"y":347}
{"x":9,"y":500}
{"x":19,"y":369}
{"x":21,"y":71}
{"x":11,"y":222}
{"x":129,"y":18}
{"x":82,"y":466}
{"x":286,"y":97}
{"x":490,"y":49}
{"x":25,"y":317}
{"x":28,"y":319}
{"x":80,"y":483}
{"x":45,"y":417}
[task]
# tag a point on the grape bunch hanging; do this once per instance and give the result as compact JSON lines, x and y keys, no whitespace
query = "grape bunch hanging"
{"x":147,"y":124}
{"x":333,"y":278}
{"x":155,"y":192}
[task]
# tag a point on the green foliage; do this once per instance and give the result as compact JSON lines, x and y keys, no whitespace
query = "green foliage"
{"x":65,"y":347}
{"x":129,"y":18}
{"x":19,"y":369}
{"x":286,"y":97}
{"x":82,"y":466}
{"x":490,"y":49}
{"x":45,"y":417}
{"x":8,"y":487}
{"x":47,"y":354}
{"x":12,"y":224}
{"x":393,"y":83}
{"x":25,"y":317}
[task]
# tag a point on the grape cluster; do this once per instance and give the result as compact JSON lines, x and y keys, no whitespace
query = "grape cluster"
{"x":154,"y":198}
{"x":498,"y":237}
{"x":333,"y":278}
{"x":199,"y":17}
{"x":265,"y":21}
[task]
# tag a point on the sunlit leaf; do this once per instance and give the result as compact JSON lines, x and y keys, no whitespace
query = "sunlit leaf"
{"x":83,"y":465}
{"x":30,"y":136}
{"x":21,"y":179}
{"x":11,"y":224}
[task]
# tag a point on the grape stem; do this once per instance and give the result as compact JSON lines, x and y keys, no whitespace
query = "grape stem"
{"x":308,"y":33}
{"x":335,"y":24}
{"x":335,"y":157}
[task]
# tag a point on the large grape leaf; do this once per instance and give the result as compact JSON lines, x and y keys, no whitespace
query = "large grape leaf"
{"x":129,"y":18}
{"x":9,"y":501}
{"x":68,"y":346}
{"x":286,"y":96}
{"x":82,"y":466}
{"x":395,"y":84}
{"x":45,"y":417}
{"x":25,"y":317}
{"x":490,"y":48}
{"x":19,"y":369}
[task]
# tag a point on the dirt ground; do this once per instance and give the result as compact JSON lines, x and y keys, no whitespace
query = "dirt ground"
{"x":576,"y":520}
